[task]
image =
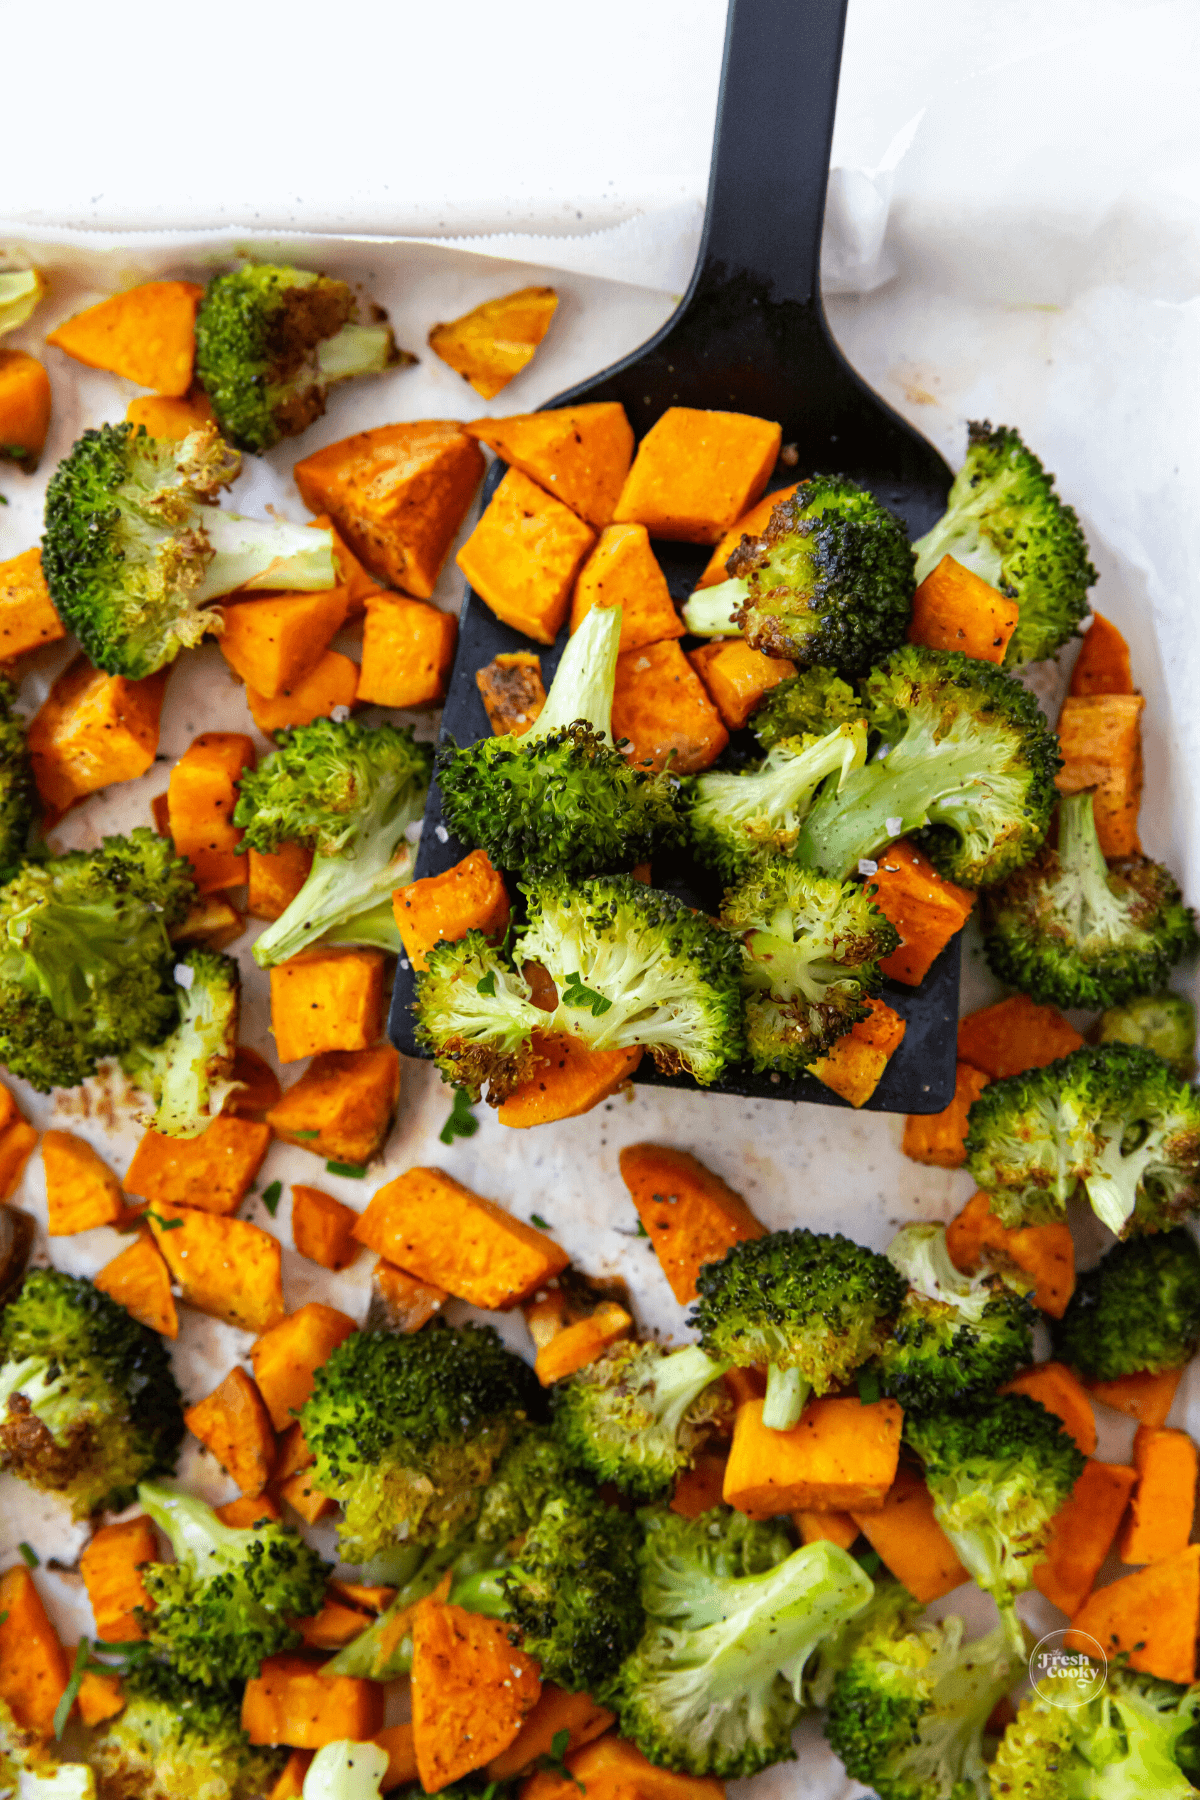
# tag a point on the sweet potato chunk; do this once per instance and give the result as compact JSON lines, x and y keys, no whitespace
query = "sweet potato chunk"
{"x":1100,"y":737}
{"x":399,"y":1302}
{"x":322,"y":1228}
{"x":571,"y":1079}
{"x":290,"y":1785}
{"x":751,"y":524}
{"x":93,"y":730}
{"x":147,"y":334}
{"x":841,"y":1457}
{"x":331,"y":682}
{"x":407,"y":653}
{"x":955,"y":609}
{"x":304,"y":1498}
{"x":512,"y":692}
{"x":234,"y":1424}
{"x":469,"y":897}
{"x":397,"y":495}
{"x":854,"y":1067}
{"x":246,"y":1511}
{"x":909,"y":1540}
{"x":138,"y":1280}
{"x":1083,"y":1534}
{"x":556,"y":1711}
{"x":333,"y":1627}
{"x":276,"y":877}
{"x":286,"y":1358}
{"x":925,"y":909}
{"x":825,"y":1527}
{"x":940,"y":1138}
{"x":580,"y":454}
{"x":342,"y":1105}
{"x":1102,"y":666}
{"x":611,"y":1768}
{"x":1146,"y":1397}
{"x":1153,"y":1614}
{"x":211,"y":1172}
{"x":523,"y":556}
{"x":493,"y":342}
{"x":661,"y":706}
{"x":471,"y":1691}
{"x":439,"y":1230}
{"x":1059,"y":1391}
{"x":81,"y":1190}
{"x":98,"y":1697}
{"x":737,"y":677}
{"x":224,"y":1267}
{"x":691,"y":1216}
{"x":357,"y":582}
{"x":623,"y":571}
{"x":1014,"y":1035}
{"x":696,"y":472}
{"x":1164,"y":1501}
{"x":111,"y":1567}
{"x":1045,"y":1253}
{"x":327,"y":1000}
{"x":699,"y":1488}
{"x":202,"y":794}
{"x":169,"y":416}
{"x":17,"y":1141}
{"x":27,"y":616}
{"x":33,"y":1663}
{"x":291,"y":1702}
{"x":258,"y":1085}
{"x":579,"y":1344}
{"x":272,"y":644}
{"x":24,"y":408}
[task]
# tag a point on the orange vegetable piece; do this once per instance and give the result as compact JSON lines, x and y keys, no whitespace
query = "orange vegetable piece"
{"x":1164,"y":1501}
{"x":1045,"y":1253}
{"x":691,"y":1216}
{"x":1102,"y":666}
{"x":523,"y":556}
{"x":272,"y":644}
{"x":580,"y":454}
{"x":211,"y":1172}
{"x":234,"y":1424}
{"x":955,"y":609}
{"x":469,"y":897}
{"x":1100,"y":738}
{"x":493,"y":342}
{"x":840,"y":1457}
{"x":1014,"y":1035}
{"x":290,"y":1785}
{"x":327,"y":1000}
{"x":348,"y":1098}
{"x":905,"y":1534}
{"x":577,"y":1714}
{"x":291,"y":1702}
{"x":225,"y":1267}
{"x":826,"y":1527}
{"x":471,"y":1691}
{"x":940,"y":1138}
{"x":746,"y":1384}
{"x":17,"y":1141}
{"x":258,"y":1084}
{"x":332,"y":681}
{"x":737,"y":677}
{"x":147,"y":333}
{"x":610,"y":1768}
{"x":401,"y":1771}
{"x":855,"y":1065}
{"x":1083,"y":1534}
{"x":751,"y":524}
{"x":439,"y":1230}
{"x":333,"y":1627}
{"x":623,"y":571}
{"x":171,"y":416}
{"x":111,"y":1567}
{"x":98,"y":1697}
{"x":1146,"y":1397}
{"x":571,"y":1079}
{"x":24,"y":408}
{"x":305,"y":1499}
{"x":286,"y":1358}
{"x":276,"y":877}
{"x":365,"y":1597}
{"x":93,"y":730}
{"x":1153,"y":1614}
{"x":925,"y":909}
{"x":213,"y":922}
{"x":662,"y":707}
{"x":322,"y":1228}
{"x":202,"y":794}
{"x":699,"y":1488}
{"x":354,"y":578}
{"x":294,"y":1453}
{"x":27,"y":616}
{"x":512,"y":691}
{"x":81,"y":1190}
{"x":248,"y":1510}
{"x":138,"y":1280}
{"x":407,"y":653}
{"x":403,"y":1302}
{"x":1059,"y":1391}
{"x":696,"y":472}
{"x":579,"y":1344}
{"x":33,"y":1664}
{"x":397,"y":495}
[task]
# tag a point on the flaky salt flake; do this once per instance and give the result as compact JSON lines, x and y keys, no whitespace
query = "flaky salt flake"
{"x":184,"y":975}
{"x":894,"y":826}
{"x":866,"y":866}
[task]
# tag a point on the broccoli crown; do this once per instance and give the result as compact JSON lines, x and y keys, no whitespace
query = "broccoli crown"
{"x":1114,"y":1117}
{"x":955,"y":1334}
{"x":475,"y":1014}
{"x":1164,"y":1023}
{"x":352,"y":793}
{"x":811,"y":949}
{"x":17,"y":789}
{"x":1139,"y":1308}
{"x":1072,"y":931}
{"x":187,"y":1075}
{"x":229,"y":1598}
{"x":966,"y":767}
{"x":635,"y":966}
{"x":1004,"y":521}
{"x":86,"y":963}
{"x":733,"y":1616}
{"x":269,"y":342}
{"x":636,"y":1415}
{"x":178,"y":1740}
{"x":92,"y":1404}
{"x":736,"y":820}
{"x":1133,"y":1740}
{"x":805,"y":705}
{"x":998,"y":1468}
{"x":406,"y":1430}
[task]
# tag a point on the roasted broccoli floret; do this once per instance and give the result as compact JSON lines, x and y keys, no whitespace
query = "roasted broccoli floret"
{"x":406,"y":1430}
{"x":1135,"y":1740}
{"x":29,"y":1769}
{"x":954,"y":1334}
{"x":998,"y":1468}
{"x":90,"y":1406}
{"x":1164,"y":1023}
{"x":187,"y":1075}
{"x":1073,"y":930}
{"x":135,"y":550}
{"x":637,"y":1414}
{"x":737,"y":819}
{"x":804,"y":705}
{"x":1004,"y":521}
{"x":272,"y":340}
{"x":475,"y":1014}
{"x":1114,"y":1118}
{"x":534,"y":1469}
{"x":733,"y":1616}
{"x":811,"y":948}
{"x":354,"y":794}
{"x":562,"y":798}
{"x":178,"y":1740}
{"x":17,"y":790}
{"x":1139,"y":1308}
{"x":829,"y":581}
{"x":810,"y":1305}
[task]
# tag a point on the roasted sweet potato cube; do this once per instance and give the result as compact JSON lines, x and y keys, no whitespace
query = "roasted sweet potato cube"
{"x":940,"y":1138}
{"x":291,"y":1702}
{"x":287,"y":1357}
{"x":751,"y":524}
{"x":81,"y":1190}
{"x":1164,"y":1502}
{"x":234,"y":1424}
{"x":471,"y":1691}
{"x":399,"y":1302}
{"x":202,"y":794}
{"x":1014,"y":1035}
{"x":924,"y":907}
{"x":699,"y":1489}
{"x":224,"y":1267}
{"x":171,"y":416}
{"x":1044,"y":1253}
{"x":301,"y":1495}
{"x":556,"y":1712}
{"x":322,"y":1228}
{"x":662,"y":707}
{"x":247,"y":1511}
{"x":854,"y":1067}
{"x":696,"y":472}
{"x":691,"y":1216}
{"x":1146,"y":1397}
{"x":211,"y":1172}
{"x":955,"y":609}
{"x":357,"y":582}
{"x":330,"y":683}
{"x":469,"y":897}
{"x":1100,"y":737}
{"x":909,"y":1540}
{"x":523,"y":556}
{"x":276,"y":877}
{"x":407,"y":653}
{"x":580,"y":454}
{"x":610,"y":1768}
{"x":570,"y":1079}
{"x":342,"y":1105}
{"x":147,"y":334}
{"x":825,"y":1527}
{"x":33,"y":1663}
{"x":1153,"y":1615}
{"x":1060,"y":1392}
{"x":738,"y":677}
{"x":27,"y":616}
{"x":333,"y":1627}
{"x":273,"y":643}
{"x":111,"y":1567}
{"x":623,"y":571}
{"x":841,"y":1457}
{"x":579,"y":1344}
{"x":139,"y":1281}
{"x":1084,"y":1530}
{"x":494,"y":341}
{"x":92,"y":731}
{"x":17,"y":1141}
{"x":24,"y":409}
{"x":1102,"y":666}
{"x":257,"y":1084}
{"x":98,"y":1697}
{"x":512,"y":692}
{"x":327,"y":1000}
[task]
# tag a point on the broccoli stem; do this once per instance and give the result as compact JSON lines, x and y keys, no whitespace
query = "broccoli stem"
{"x":355,"y":350}
{"x":482,"y":1592}
{"x":713,"y":611}
{"x":585,"y":678}
{"x":339,"y":890}
{"x":787,"y":1392}
{"x":1090,"y":908}
{"x":375,"y":926}
{"x":262,"y":553}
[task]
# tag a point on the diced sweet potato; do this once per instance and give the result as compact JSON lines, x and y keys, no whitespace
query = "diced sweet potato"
{"x":523,"y":556}
{"x":224,"y":1267}
{"x":1084,"y":1530}
{"x":286,"y":1358}
{"x":737,"y":677}
{"x":333,"y":1627}
{"x":955,"y":609}
{"x":512,"y":691}
{"x":469,"y":897}
{"x":202,"y":794}
{"x":290,"y":1785}
{"x":98,"y":1697}
{"x":407,"y":653}
{"x":493,"y":342}
{"x":273,"y":643}
{"x":212,"y":923}
{"x":305,"y":1499}
{"x":331,"y":682}
{"x":610,"y":1768}
{"x":471,"y":1691}
{"x":397,"y":1741}
{"x":854,"y":1067}
{"x":81,"y":1190}
{"x":841,"y":1457}
{"x":25,"y":401}
{"x":322,"y":1228}
{"x":1014,"y":1035}
{"x":579,"y":1344}
{"x":276,"y":877}
{"x":940,"y":1138}
{"x":246,"y":1511}
{"x":1100,"y":738}
{"x":341,"y":1108}
{"x":662,"y":707}
{"x":696,"y":472}
{"x":111,"y":1567}
{"x":1045,"y":1253}
{"x":581,"y":454}
{"x":356,"y":580}
{"x":17,"y":1142}
{"x":691,"y":1216}
{"x":1153,"y":1614}
{"x":623,"y":571}
{"x":92,"y":731}
{"x":147,"y":334}
{"x":925,"y":909}
{"x":1146,"y":1397}
{"x":556,"y":1711}
{"x":294,"y":1454}
{"x":33,"y":1664}
{"x":1164,"y":1502}
{"x":746,"y":1384}
{"x":327,"y":1000}
{"x":436,"y":1228}
{"x":171,"y":416}
{"x":571,"y":1079}
{"x":397,"y":495}
{"x":399,"y":1302}
{"x":826,"y":1527}
{"x":367,"y":1597}
{"x":258,"y":1085}
{"x":234,"y":1424}
{"x":291,"y":1702}
{"x":699,"y":1488}
{"x":211,"y":1172}
{"x":1102,"y":666}
{"x":909,"y":1540}
{"x":1059,"y":1391}
{"x":751,"y":524}
{"x":138,"y":1280}
{"x":27,"y":616}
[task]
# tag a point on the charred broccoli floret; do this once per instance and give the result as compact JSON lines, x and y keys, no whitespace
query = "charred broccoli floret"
{"x":811,"y":949}
{"x":187,"y":1075}
{"x":135,"y":550}
{"x":179,"y":1740}
{"x":562,"y":798}
{"x":1164,"y":1023}
{"x":637,"y":1414}
{"x":830,"y":581}
{"x":475,"y":1014}
{"x":353,"y":794}
{"x":1139,"y":1308}
{"x":811,"y":1306}
{"x":1004,"y":521}
{"x":270,"y":343}
{"x":737,"y":819}
{"x":1135,"y":1739}
{"x":1114,"y":1118}
{"x":805,"y":705}
{"x":90,"y":1404}
{"x":954,"y":1334}
{"x":1073,"y":930}
{"x":17,"y":789}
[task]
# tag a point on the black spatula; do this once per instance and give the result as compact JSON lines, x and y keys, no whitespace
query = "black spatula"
{"x":750,"y":336}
